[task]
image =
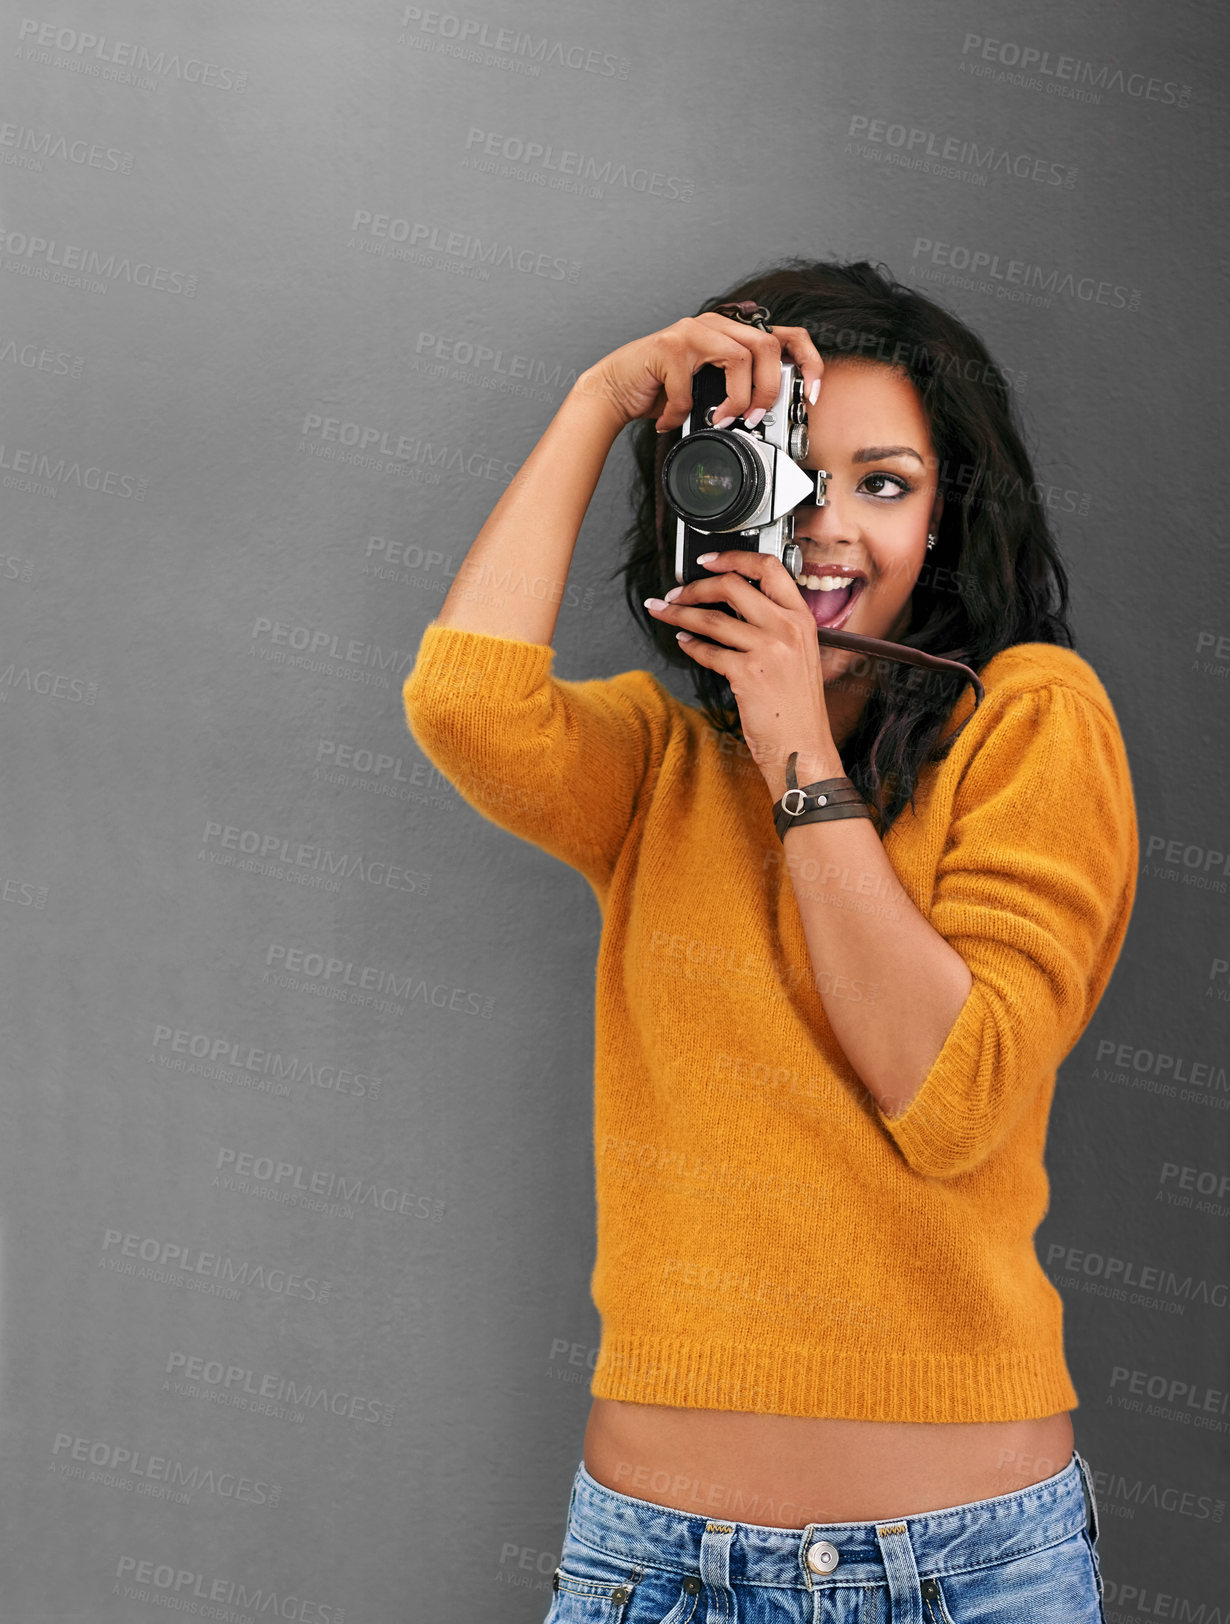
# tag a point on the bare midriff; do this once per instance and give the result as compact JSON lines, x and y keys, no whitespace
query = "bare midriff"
{"x":797,"y":1471}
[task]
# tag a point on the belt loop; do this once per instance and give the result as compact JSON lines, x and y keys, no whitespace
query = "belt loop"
{"x":715,"y":1566}
{"x":1091,"y":1504}
{"x":904,"y":1587}
{"x":576,"y":1483}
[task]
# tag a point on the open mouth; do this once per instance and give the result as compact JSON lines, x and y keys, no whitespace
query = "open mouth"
{"x":831,"y":606}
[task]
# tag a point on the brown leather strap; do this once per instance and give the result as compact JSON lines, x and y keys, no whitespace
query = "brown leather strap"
{"x":857,"y":643}
{"x":854,"y":808}
{"x":838,"y":798}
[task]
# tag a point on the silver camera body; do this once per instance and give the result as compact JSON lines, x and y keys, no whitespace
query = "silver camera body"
{"x":738,"y":487}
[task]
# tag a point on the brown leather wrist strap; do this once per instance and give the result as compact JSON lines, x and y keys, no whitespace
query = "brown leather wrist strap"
{"x":816,"y":803}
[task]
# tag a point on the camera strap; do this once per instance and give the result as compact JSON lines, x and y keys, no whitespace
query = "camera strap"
{"x":884,"y":650}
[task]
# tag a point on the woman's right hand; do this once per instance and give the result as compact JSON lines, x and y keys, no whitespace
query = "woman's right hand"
{"x":652,"y":376}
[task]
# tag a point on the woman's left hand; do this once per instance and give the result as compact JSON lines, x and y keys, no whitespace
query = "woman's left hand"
{"x":770,"y":657}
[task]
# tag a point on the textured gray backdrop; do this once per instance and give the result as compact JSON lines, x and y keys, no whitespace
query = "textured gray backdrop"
{"x":296,"y":1199}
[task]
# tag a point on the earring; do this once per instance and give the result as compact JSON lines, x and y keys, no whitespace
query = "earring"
{"x":931,"y":539}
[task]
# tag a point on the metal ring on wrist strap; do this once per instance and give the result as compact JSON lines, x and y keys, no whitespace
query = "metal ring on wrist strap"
{"x":827,"y":798}
{"x":747,"y":311}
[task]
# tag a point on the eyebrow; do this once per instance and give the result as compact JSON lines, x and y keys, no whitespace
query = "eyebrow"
{"x":877,"y":453}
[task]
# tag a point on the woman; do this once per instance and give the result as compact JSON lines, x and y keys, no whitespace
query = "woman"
{"x":831,"y":1382}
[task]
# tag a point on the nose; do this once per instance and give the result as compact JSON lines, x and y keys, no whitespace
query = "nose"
{"x":827,"y":523}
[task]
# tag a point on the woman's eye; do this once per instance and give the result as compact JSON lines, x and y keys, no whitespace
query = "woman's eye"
{"x":874,"y":485}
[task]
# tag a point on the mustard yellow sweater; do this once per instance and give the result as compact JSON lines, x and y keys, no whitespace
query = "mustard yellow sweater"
{"x":768,"y":1240}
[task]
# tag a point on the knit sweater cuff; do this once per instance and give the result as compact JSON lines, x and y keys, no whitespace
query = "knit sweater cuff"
{"x":454,"y":660}
{"x":937,"y":1133}
{"x":558,"y":763}
{"x":1036,"y":909}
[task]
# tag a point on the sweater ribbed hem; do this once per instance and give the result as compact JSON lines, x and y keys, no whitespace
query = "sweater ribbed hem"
{"x":802,"y":1382}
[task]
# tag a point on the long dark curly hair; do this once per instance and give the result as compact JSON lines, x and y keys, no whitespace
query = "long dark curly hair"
{"x":994,"y":577}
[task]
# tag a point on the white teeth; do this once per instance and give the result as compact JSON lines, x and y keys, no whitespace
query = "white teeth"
{"x":827,"y":583}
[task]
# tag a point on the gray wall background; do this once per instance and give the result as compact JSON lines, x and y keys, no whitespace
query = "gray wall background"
{"x":252,"y":943}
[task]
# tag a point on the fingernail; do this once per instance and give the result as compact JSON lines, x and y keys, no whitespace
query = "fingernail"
{"x":673,"y":594}
{"x":706,"y":558}
{"x":654,"y":603}
{"x":752,"y":418}
{"x":813,"y":394}
{"x":724,"y":422}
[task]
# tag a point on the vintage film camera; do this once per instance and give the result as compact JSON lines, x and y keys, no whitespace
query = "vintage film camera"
{"x":737,"y":487}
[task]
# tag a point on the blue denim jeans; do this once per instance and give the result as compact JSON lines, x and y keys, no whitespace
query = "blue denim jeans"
{"x":1024,"y":1558}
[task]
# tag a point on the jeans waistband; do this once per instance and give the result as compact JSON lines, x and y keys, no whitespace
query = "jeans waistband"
{"x":933,"y":1542}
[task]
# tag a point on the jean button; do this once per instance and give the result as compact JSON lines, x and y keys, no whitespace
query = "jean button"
{"x":823,"y":1557}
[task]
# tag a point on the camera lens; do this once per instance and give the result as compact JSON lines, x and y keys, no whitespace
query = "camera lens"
{"x":712,"y":476}
{"x":705,"y":480}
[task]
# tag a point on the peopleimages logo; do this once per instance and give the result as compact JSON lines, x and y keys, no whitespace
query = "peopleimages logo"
{"x":93,"y":1460}
{"x":921,"y":144}
{"x":1180,"y":1502}
{"x":1186,"y":862}
{"x":1013,"y":274}
{"x":370,"y":446}
{"x":1107,"y":1276}
{"x":1069,"y":73}
{"x":524,"y":159}
{"x":180,"y":1588}
{"x":350,"y":980}
{"x":192,"y":1368}
{"x":467,"y":37}
{"x":148,"y":1257}
{"x":1172,"y":1393}
{"x":103,"y":58}
{"x":417,"y":240}
{"x":254,"y":1173}
{"x":1157,"y":1063}
{"x":25,"y":148}
{"x":267,"y":1067}
{"x":46,"y":473}
{"x":465,"y":352}
{"x":42,"y":358}
{"x":78,"y":266}
{"x":273,"y":852}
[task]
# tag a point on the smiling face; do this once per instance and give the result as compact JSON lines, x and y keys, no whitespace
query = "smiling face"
{"x":869,"y":430}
